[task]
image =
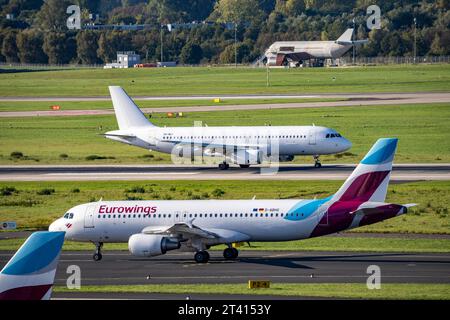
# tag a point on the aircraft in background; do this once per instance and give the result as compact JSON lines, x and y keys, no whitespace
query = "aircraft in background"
{"x":244,"y":146}
{"x":283,"y":53}
{"x":30,"y":273}
{"x":152,"y":228}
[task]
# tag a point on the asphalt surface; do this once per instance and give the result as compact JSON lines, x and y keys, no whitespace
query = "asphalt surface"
{"x":372,"y":99}
{"x":400,"y":173}
{"x":121,"y":268}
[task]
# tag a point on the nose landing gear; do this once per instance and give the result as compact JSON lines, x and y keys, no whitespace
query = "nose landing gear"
{"x":317,"y":163}
{"x":98,"y":251}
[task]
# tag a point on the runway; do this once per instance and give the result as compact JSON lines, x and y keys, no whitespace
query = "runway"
{"x":401,"y":172}
{"x":370,"y":99}
{"x":121,"y":268}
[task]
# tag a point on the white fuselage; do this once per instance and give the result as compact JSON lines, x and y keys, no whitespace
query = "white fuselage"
{"x":316,"y":49}
{"x":258,"y":220}
{"x":288,"y":140}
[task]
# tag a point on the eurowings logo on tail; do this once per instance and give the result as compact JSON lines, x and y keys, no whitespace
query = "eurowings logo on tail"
{"x":30,"y":273}
{"x":360,"y":200}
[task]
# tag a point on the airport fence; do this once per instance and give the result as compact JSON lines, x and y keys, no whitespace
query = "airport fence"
{"x":18,"y":65}
{"x":394,"y":60}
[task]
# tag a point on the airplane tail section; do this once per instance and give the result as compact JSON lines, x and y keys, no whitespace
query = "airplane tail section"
{"x":30,"y":273}
{"x":369,"y":181}
{"x":346,"y":36}
{"x":128,"y":114}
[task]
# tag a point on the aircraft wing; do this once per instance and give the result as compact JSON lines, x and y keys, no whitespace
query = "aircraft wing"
{"x":189,"y":231}
{"x":225,"y":144}
{"x":183,"y":228}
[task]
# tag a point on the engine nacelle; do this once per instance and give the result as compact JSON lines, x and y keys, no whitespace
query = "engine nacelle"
{"x":150,"y":245}
{"x":285,"y":158}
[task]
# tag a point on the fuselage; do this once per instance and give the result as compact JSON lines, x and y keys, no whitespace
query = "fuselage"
{"x":287,"y":140}
{"x":313,"y":49}
{"x":258,"y":220}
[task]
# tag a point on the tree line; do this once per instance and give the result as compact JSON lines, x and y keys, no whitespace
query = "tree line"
{"x":37,"y":33}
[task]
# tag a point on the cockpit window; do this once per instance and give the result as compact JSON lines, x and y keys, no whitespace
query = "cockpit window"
{"x":328,"y":135}
{"x":68,"y":215}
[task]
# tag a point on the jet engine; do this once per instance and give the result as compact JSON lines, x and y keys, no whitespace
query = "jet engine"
{"x":286,"y":158}
{"x":149,"y":245}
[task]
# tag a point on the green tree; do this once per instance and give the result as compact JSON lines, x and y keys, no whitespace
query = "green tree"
{"x":112,"y":41}
{"x":59,"y":48}
{"x":9,"y":47}
{"x":227,"y":55}
{"x":29,"y":45}
{"x":237,"y":11}
{"x":87,"y":47}
{"x":52,"y":15}
{"x":191,"y":53}
{"x":437,"y":48}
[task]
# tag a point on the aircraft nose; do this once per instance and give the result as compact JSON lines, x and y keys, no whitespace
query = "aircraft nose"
{"x":55,"y":226}
{"x":346,"y":144}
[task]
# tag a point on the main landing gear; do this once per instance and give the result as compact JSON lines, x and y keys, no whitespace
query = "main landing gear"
{"x":223,"y":166}
{"x":201,"y":257}
{"x":230,"y":253}
{"x":98,"y":251}
{"x":317,"y":163}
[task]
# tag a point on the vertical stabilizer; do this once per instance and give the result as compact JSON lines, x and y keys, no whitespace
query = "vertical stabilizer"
{"x":346,"y":36}
{"x":30,"y":273}
{"x":128,"y":114}
{"x":369,"y":181}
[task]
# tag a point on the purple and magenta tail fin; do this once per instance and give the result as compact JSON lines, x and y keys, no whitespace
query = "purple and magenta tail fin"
{"x":30,"y":273}
{"x":369,"y":181}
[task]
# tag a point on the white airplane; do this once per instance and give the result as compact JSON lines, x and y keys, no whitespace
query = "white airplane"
{"x":30,"y":273}
{"x":244,"y":146}
{"x":152,"y":228}
{"x":283,"y":52}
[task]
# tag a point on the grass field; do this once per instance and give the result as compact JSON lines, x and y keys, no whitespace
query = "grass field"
{"x":410,"y":291}
{"x":32,"y":210}
{"x":89,"y":105}
{"x":422,"y":130}
{"x":204,"y":80}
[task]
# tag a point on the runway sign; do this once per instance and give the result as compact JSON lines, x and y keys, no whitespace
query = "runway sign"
{"x":8,"y":225}
{"x":258,"y":284}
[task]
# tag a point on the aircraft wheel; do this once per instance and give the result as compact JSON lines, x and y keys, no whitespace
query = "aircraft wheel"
{"x":97,"y":256}
{"x":235,"y":253}
{"x":223,"y":166}
{"x":230,"y":253}
{"x":201,"y":257}
{"x":317,"y":165}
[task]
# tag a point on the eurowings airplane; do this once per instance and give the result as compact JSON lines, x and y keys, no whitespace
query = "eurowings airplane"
{"x":30,"y":273}
{"x":281,"y":52}
{"x":152,"y":228}
{"x":244,"y":146}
